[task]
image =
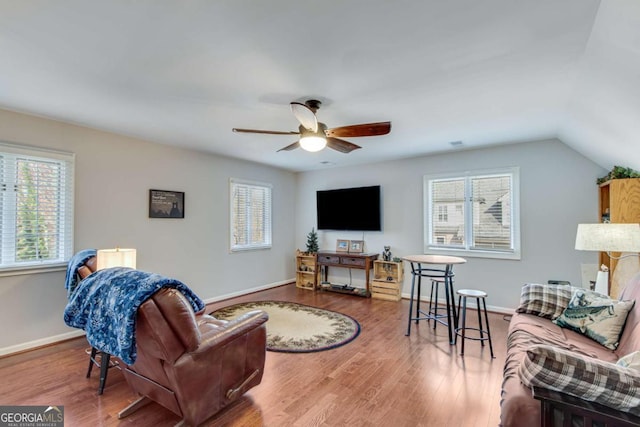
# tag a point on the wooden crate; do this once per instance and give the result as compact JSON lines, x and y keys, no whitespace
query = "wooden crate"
{"x":387,"y":280}
{"x":306,"y":271}
{"x":385,"y":290}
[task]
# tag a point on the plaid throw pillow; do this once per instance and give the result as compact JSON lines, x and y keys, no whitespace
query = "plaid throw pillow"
{"x":581,"y":376}
{"x":547,"y":301}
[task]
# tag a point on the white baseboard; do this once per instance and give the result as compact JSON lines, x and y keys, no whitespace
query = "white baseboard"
{"x":248,"y":291}
{"x":40,"y":343}
{"x":78,"y":333}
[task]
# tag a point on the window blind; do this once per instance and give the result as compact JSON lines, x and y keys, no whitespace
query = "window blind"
{"x":250,"y":215}
{"x":448,"y":222}
{"x":491,"y":205}
{"x":36,"y":207}
{"x":474,"y":213}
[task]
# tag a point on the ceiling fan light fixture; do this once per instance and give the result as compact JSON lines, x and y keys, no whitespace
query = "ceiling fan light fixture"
{"x":313,"y":143}
{"x":315,"y":136}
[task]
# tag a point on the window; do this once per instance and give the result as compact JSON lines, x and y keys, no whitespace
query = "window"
{"x":250,"y":215}
{"x":36,"y":207}
{"x":473,"y":214}
{"x":443,"y":213}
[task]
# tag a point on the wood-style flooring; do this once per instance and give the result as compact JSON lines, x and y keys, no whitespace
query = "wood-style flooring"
{"x":382,"y":378}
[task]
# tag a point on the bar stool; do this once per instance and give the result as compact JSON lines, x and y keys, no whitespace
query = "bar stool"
{"x":463,"y":294}
{"x":433,"y":303}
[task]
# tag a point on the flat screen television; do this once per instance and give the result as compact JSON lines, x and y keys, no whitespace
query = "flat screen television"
{"x":354,"y":209}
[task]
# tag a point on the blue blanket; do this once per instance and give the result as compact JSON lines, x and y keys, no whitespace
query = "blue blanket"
{"x":76,"y":261}
{"x":105,"y":305}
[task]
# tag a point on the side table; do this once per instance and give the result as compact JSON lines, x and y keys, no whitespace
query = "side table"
{"x":419,"y":271}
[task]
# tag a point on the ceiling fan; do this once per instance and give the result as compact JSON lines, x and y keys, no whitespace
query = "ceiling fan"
{"x":314,"y":135}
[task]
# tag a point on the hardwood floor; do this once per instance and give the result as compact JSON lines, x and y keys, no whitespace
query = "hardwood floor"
{"x":382,"y":378}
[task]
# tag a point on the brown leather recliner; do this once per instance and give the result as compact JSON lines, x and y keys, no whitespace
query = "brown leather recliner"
{"x":193,"y":365}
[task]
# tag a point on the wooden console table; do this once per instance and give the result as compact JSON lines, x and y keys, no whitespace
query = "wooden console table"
{"x":345,"y":260}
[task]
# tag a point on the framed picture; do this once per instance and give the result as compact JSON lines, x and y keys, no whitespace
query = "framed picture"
{"x":356,"y":246}
{"x":166,"y":204}
{"x":342,"y":246}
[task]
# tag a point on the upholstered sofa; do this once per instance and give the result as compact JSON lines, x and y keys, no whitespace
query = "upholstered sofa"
{"x":532,"y":333}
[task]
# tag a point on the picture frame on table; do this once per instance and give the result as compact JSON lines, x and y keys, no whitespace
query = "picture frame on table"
{"x":356,"y":246}
{"x":342,"y":245}
{"x":166,"y":204}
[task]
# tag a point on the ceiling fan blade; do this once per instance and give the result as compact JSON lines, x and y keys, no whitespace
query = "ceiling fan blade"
{"x":290,"y":147}
{"x":341,"y":145}
{"x":305,"y":116}
{"x":368,"y":129}
{"x":268,"y":132}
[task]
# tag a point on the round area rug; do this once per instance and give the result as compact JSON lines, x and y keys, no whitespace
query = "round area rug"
{"x":298,"y":328}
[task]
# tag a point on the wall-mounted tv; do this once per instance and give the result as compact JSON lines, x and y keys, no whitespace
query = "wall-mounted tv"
{"x":355,"y":209}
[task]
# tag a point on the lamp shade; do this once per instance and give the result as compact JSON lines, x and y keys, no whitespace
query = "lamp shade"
{"x":608,"y":237}
{"x":116,"y":258}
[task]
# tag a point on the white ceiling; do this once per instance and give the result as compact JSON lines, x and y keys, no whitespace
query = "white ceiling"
{"x":185,"y":72}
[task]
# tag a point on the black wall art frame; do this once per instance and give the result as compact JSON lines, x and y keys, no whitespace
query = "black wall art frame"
{"x":166,"y":204}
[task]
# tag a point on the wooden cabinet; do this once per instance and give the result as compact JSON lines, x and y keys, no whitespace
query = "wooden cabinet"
{"x":619,"y":202}
{"x":387,"y":280}
{"x":306,"y":269}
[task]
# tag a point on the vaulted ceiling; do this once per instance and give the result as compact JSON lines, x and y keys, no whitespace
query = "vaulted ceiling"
{"x":185,"y":73}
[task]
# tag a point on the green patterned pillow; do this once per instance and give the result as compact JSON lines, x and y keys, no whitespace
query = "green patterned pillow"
{"x":596,"y":316}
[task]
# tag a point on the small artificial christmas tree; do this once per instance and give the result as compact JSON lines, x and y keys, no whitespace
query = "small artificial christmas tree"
{"x":312,"y":242}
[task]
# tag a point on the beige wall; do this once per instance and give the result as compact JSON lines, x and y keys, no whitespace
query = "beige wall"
{"x":113,"y":178}
{"x":114,"y":174}
{"x":557,"y":191}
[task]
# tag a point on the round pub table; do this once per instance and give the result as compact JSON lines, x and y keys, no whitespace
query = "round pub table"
{"x":444,"y":271}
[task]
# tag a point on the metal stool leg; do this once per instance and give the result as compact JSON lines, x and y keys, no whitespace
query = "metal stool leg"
{"x":453,"y":301}
{"x":104,"y":364}
{"x":456,"y":330}
{"x":418,"y":298}
{"x":451,"y":315}
{"x":430,"y":301}
{"x":464,"y":321}
{"x":92,"y":357}
{"x":413,"y":283}
{"x":104,"y":370}
{"x":435,"y":310}
{"x":486,"y":318}
{"x":480,"y":321}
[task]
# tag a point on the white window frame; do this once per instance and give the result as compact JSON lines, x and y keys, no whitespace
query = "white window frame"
{"x":9,"y":155}
{"x":434,"y":248}
{"x":267,"y":225}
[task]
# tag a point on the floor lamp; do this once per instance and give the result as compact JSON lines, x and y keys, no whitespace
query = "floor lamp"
{"x":607,"y":237}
